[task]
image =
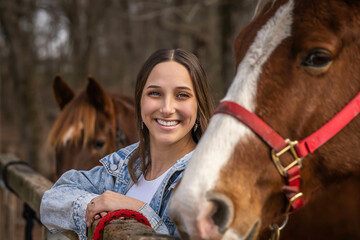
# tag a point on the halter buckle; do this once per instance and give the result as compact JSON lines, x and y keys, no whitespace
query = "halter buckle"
{"x":293,"y":199}
{"x":276,"y":157}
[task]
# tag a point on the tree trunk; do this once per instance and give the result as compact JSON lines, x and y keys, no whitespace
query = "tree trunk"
{"x":21,"y":66}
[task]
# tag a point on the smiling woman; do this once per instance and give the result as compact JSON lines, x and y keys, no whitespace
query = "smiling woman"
{"x":175,"y":78}
{"x":173,"y":107}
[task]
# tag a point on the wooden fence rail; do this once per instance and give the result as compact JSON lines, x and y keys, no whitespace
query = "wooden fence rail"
{"x":27,"y":185}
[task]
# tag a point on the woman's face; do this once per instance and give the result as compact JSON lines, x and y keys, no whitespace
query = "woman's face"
{"x":169,"y":104}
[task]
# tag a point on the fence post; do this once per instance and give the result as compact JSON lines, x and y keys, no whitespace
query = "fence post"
{"x":8,"y":202}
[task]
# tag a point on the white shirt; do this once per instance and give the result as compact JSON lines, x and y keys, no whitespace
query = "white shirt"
{"x":144,"y":190}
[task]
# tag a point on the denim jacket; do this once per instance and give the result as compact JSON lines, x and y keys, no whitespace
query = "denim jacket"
{"x":63,"y":207}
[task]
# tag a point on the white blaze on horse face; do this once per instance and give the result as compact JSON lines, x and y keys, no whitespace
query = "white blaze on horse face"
{"x":244,"y":86}
{"x":224,"y":132}
{"x":70,"y":133}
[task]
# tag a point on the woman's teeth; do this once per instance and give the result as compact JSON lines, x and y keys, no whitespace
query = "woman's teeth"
{"x":167,"y":123}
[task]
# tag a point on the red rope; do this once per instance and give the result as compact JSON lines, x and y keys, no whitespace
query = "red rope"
{"x":125,"y":213}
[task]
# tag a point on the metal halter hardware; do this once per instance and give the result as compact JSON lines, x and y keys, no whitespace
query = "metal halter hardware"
{"x":275,"y":229}
{"x":291,"y":148}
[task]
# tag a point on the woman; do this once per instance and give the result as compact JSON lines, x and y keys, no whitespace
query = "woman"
{"x":173,"y":107}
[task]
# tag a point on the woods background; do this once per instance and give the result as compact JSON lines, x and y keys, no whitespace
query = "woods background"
{"x":109,"y":39}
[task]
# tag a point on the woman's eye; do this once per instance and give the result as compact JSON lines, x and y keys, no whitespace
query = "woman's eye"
{"x":154,"y":94}
{"x":183,"y":95}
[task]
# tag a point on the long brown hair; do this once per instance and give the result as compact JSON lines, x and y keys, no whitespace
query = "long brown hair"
{"x":201,"y":88}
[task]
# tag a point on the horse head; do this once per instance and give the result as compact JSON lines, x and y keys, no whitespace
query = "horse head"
{"x":297,"y":67}
{"x":91,"y":125}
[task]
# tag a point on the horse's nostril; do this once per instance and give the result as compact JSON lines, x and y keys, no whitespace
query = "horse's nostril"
{"x":224,"y":210}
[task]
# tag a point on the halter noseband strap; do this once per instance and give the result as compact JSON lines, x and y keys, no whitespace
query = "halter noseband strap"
{"x":297,"y":149}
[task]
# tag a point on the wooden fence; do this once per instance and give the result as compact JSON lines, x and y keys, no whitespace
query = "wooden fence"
{"x":29,"y":186}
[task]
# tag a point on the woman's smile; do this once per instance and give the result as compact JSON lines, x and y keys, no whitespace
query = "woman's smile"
{"x":167,"y":123}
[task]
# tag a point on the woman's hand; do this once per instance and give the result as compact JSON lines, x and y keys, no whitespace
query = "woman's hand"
{"x":107,"y":202}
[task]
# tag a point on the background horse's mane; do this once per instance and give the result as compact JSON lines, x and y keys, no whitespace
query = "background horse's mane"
{"x":75,"y":123}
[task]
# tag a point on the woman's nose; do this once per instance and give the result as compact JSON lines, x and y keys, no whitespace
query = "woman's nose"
{"x":168,"y":106}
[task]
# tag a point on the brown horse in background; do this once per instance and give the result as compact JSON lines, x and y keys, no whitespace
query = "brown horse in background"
{"x":298,"y":65}
{"x":91,"y":125}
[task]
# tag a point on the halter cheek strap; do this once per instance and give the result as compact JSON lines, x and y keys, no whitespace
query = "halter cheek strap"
{"x":326,"y":132}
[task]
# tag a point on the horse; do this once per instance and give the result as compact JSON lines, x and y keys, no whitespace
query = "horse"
{"x":91,"y":124}
{"x":297,"y":76}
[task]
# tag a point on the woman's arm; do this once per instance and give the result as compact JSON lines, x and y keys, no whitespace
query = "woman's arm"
{"x":107,"y":202}
{"x":63,"y":207}
{"x":111,"y":201}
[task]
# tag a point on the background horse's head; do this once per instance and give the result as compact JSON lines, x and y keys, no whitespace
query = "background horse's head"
{"x":298,"y":64}
{"x":91,"y":125}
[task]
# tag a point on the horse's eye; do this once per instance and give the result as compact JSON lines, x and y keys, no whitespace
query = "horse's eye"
{"x":317,"y":58}
{"x":317,"y":61}
{"x":99,"y":144}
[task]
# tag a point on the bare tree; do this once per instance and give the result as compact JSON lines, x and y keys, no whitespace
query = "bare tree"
{"x":16,"y":19}
{"x":83,"y":21}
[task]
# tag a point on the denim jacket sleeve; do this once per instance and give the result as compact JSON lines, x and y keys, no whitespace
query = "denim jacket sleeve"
{"x":155,"y":220}
{"x":63,"y":207}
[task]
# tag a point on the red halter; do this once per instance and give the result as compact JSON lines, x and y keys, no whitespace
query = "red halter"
{"x":299,"y":149}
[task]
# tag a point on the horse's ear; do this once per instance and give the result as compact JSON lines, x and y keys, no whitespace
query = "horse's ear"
{"x":63,"y":93}
{"x":97,"y":96}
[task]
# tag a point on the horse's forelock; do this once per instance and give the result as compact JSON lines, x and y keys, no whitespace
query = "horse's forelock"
{"x":75,"y":123}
